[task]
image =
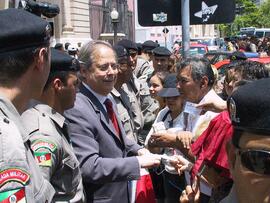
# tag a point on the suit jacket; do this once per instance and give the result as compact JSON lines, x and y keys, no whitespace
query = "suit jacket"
{"x":107,"y":164}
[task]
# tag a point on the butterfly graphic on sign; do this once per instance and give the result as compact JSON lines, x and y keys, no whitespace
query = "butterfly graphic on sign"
{"x":206,"y":12}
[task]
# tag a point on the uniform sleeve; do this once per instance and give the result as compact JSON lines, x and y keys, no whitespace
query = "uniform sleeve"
{"x":47,"y":153}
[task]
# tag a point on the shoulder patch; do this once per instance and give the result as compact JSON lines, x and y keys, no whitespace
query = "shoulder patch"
{"x":13,"y":196}
{"x":41,"y":143}
{"x":43,"y":158}
{"x":14,"y":174}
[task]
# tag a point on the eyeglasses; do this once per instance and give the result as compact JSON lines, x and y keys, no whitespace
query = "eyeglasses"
{"x":257,"y":161}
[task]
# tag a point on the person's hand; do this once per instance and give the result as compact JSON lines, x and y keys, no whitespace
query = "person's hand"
{"x":149,"y":160}
{"x":213,"y":105}
{"x":184,"y":138}
{"x":162,"y":139}
{"x":143,"y":151}
{"x":181,"y":164}
{"x":190,"y":196}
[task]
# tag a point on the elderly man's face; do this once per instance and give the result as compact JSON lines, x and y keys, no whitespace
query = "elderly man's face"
{"x":251,"y":186}
{"x":189,"y":88}
{"x":103,"y":74}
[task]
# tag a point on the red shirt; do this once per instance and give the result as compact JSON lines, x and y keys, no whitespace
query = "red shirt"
{"x":210,"y":147}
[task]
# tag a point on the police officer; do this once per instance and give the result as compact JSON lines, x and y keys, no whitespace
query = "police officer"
{"x":144,"y":68}
{"x":141,"y":88}
{"x":24,"y":68}
{"x":249,"y":151}
{"x":132,"y":87}
{"x":120,"y":96}
{"x":161,"y":59}
{"x":48,"y":129}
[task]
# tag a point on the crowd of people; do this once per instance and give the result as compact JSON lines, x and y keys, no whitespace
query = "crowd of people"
{"x":85,"y":125}
{"x":249,"y":44}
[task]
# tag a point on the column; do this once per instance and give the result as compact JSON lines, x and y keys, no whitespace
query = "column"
{"x":67,"y":26}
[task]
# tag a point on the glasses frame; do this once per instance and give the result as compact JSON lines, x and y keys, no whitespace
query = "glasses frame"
{"x":242,"y":152}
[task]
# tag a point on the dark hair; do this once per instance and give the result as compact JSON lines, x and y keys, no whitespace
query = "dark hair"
{"x":14,"y":64}
{"x":199,"y":67}
{"x":62,"y":75}
{"x":251,"y":70}
{"x":161,"y":75}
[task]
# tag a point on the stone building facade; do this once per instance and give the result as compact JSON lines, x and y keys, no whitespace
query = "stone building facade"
{"x":82,"y":20}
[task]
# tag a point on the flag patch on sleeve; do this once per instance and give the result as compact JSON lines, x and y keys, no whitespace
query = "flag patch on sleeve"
{"x":43,"y":158}
{"x":13,"y":196}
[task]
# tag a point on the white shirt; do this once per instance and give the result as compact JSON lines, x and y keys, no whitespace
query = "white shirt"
{"x":178,"y":125}
{"x":102,"y":98}
{"x":197,"y":124}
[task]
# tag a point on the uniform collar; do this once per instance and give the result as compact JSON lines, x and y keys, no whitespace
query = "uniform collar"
{"x":115,"y":93}
{"x":49,"y":111}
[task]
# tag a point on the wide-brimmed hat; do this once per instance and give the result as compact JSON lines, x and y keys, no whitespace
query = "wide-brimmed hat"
{"x":169,"y":88}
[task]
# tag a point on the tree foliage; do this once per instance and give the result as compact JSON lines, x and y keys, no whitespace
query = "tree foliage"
{"x":249,"y":16}
{"x":265,"y":14}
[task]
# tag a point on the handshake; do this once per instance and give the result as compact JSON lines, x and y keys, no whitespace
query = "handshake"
{"x":149,"y":160}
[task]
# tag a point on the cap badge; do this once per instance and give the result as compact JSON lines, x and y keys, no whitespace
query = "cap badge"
{"x":47,"y":32}
{"x":232,"y":110}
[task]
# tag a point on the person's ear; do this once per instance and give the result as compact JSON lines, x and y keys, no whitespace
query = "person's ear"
{"x":231,"y":153}
{"x":42,"y":56}
{"x":57,"y":84}
{"x":204,"y":82}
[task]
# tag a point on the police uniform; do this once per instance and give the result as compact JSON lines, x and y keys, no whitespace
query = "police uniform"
{"x":124,"y":110}
{"x":144,"y":69}
{"x":20,"y":177}
{"x":131,"y":89}
{"x":50,"y":141}
{"x":144,"y":108}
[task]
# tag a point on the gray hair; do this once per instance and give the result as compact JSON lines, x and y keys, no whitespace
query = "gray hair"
{"x":86,"y":52}
{"x":199,"y":67}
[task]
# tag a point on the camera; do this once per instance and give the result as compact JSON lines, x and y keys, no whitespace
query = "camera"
{"x":40,"y":8}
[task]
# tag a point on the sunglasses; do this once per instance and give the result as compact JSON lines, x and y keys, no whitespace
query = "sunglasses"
{"x":257,"y":161}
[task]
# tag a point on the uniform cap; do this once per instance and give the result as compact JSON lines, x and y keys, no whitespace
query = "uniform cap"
{"x":21,"y":29}
{"x":249,"y":107}
{"x":238,"y":55}
{"x":161,"y":51}
{"x":120,"y":51}
{"x":128,"y":44}
{"x":149,"y":45}
{"x":169,"y":88}
{"x":61,"y":61}
{"x":58,"y":46}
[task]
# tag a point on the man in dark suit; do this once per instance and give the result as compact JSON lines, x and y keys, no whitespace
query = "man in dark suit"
{"x":108,"y":159}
